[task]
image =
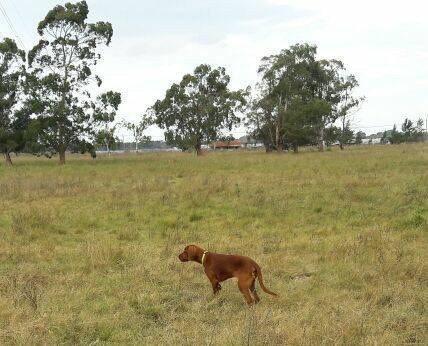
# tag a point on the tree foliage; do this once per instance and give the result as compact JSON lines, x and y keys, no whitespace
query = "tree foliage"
{"x":198,"y":108}
{"x":283,"y":80}
{"x":62,"y":64}
{"x":15,"y":121}
{"x":138,"y":128}
{"x":105,"y":110}
{"x":410,"y":132}
{"x":348,"y":104}
{"x":298,"y":96}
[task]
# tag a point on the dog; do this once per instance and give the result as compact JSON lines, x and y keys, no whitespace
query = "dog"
{"x":219,"y":267}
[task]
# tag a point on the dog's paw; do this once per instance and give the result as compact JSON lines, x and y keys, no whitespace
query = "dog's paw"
{"x":217,"y":289}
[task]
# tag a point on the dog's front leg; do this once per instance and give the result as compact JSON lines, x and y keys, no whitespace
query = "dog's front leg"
{"x":214,"y":282}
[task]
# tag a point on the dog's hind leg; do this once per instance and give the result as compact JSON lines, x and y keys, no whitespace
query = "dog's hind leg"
{"x":254,"y":292}
{"x":244,"y":284}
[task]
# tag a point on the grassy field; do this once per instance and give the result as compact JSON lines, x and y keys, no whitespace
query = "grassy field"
{"x":88,"y":251}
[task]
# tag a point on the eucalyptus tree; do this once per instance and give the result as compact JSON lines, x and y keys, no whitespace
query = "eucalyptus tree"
{"x":198,"y":108}
{"x":298,"y":127}
{"x":284,"y":82}
{"x":346,"y":134}
{"x":105,"y":110}
{"x":14,"y":121}
{"x":299,"y":96}
{"x":348,"y":104}
{"x":412,"y":132}
{"x":264,"y":121}
{"x":360,"y":135}
{"x":61,"y":76}
{"x":137,"y":130}
{"x":325,"y":95}
{"x":396,"y":136}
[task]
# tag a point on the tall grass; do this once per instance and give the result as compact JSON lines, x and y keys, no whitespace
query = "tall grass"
{"x":88,"y":251}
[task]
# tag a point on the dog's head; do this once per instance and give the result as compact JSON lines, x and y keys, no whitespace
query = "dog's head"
{"x":190,"y":253}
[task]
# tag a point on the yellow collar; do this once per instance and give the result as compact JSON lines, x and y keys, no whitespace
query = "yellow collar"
{"x":203,"y":257}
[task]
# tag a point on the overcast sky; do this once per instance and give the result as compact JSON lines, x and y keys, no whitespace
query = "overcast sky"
{"x":155,"y":42}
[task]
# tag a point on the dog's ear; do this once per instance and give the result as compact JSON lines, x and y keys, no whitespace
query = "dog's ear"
{"x":189,"y":252}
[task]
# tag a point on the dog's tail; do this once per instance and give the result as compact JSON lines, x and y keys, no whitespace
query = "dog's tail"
{"x":260,"y":278}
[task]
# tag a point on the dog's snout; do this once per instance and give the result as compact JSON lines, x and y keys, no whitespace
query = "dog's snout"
{"x":182,"y":257}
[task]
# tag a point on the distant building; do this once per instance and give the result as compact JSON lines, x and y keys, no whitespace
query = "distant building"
{"x":221,"y":145}
{"x":249,"y":142}
{"x":371,"y":141}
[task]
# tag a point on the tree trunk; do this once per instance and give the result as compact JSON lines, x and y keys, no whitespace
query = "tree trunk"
{"x":321,"y":138}
{"x":62,"y":156}
{"x":7,"y":158}
{"x":61,"y":139}
{"x":108,"y":148}
{"x":198,"y":149}
{"x":342,"y":135}
{"x":295,"y":148}
{"x":278,"y":144}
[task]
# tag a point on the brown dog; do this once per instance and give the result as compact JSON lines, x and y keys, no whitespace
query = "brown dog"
{"x":220,"y":267}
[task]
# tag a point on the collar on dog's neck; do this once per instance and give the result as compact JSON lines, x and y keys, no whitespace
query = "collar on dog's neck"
{"x":203,"y":257}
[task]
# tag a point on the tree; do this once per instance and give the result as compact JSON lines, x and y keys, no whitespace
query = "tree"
{"x":419,"y":132}
{"x":198,"y":108}
{"x":298,"y":129}
{"x":61,"y":74}
{"x":332,"y":135}
{"x":408,"y":130}
{"x":262,"y":125}
{"x":14,"y":120}
{"x":346,"y":135}
{"x":137,"y":129}
{"x":325,"y":89}
{"x":347,"y":105}
{"x":284,"y":80}
{"x":359,"y":137}
{"x":298,"y":97}
{"x":385,"y":137}
{"x":105,"y":110}
{"x":396,"y":137}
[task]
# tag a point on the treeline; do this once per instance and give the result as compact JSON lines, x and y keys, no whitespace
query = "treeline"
{"x":297,"y":101}
{"x":410,"y":132}
{"x":46,"y":106}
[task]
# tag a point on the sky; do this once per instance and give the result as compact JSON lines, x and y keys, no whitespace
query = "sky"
{"x":155,"y":42}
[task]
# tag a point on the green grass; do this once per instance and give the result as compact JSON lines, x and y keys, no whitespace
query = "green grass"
{"x":88,"y":251}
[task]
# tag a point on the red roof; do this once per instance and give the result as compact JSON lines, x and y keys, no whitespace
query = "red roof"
{"x":225,"y":144}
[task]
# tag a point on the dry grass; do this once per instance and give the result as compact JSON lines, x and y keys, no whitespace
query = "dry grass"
{"x":88,"y":252}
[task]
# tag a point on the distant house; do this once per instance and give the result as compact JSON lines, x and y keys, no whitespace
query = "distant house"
{"x":249,"y":142}
{"x":221,"y":145}
{"x":371,"y":141}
